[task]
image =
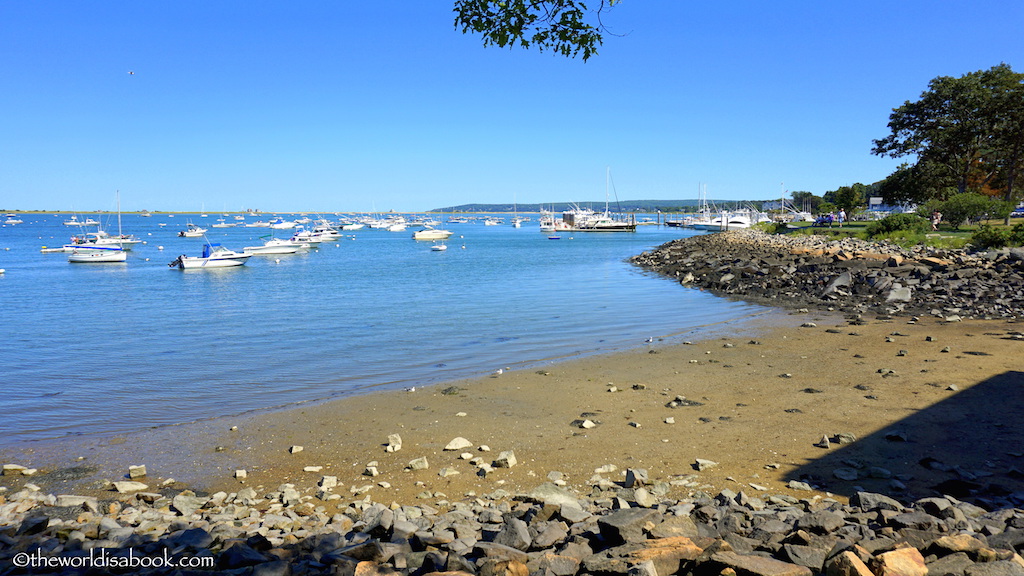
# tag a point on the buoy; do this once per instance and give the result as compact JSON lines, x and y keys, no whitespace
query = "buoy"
{"x":2,"y":271}
{"x":147,"y":259}
{"x":159,"y":247}
{"x":277,"y":260}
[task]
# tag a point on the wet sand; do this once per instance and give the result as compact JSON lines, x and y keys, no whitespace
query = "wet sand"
{"x":758,"y":400}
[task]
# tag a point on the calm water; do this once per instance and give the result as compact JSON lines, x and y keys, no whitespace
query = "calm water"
{"x":119,"y":347}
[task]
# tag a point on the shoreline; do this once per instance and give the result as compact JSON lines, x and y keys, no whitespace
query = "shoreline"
{"x":762,"y":396}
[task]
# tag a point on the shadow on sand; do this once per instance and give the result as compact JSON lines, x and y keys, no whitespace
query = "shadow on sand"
{"x":970,"y":446}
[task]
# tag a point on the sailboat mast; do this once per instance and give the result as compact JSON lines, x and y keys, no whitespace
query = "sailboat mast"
{"x":118,"y":213}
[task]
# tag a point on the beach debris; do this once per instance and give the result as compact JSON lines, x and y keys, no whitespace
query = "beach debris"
{"x":394,"y":443}
{"x":670,"y":420}
{"x":136,"y":471}
{"x":457,"y":443}
{"x":312,"y":468}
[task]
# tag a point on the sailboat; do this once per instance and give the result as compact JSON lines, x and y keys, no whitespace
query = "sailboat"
{"x":102,"y":239}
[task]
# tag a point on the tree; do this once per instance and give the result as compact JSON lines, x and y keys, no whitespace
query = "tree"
{"x":848,"y":198}
{"x":806,"y":201}
{"x":567,"y":27}
{"x":967,"y":133}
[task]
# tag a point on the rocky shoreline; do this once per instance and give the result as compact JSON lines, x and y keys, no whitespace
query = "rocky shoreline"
{"x":849,"y":275}
{"x":622,"y":527}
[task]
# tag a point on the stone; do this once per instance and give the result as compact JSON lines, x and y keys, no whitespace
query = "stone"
{"x":758,"y":565}
{"x":701,"y":464}
{"x":129,"y":486}
{"x":418,"y":464}
{"x":636,"y":477}
{"x":847,"y":564}
{"x":505,"y":459}
{"x":241,"y":474}
{"x":394,"y":443}
{"x":626,"y":525}
{"x":136,"y":471}
{"x":295,"y":449}
{"x":458,"y":443}
{"x":900,"y":562}
{"x":187,"y":503}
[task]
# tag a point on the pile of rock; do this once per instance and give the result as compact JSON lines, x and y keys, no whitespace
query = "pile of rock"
{"x":850,"y":274}
{"x":550,"y":531}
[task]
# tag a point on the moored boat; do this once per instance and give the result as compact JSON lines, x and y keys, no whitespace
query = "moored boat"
{"x":97,"y":255}
{"x":214,"y":256}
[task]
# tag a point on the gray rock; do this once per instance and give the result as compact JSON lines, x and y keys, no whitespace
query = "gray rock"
{"x":626,"y":525}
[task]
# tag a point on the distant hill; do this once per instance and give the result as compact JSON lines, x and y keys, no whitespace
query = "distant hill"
{"x":647,"y":206}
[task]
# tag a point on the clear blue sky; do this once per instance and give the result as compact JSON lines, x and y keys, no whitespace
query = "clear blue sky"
{"x":355,"y":106}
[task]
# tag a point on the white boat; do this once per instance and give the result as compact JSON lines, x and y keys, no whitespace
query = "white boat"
{"x":307,"y":238}
{"x":103,"y":239}
{"x":214,"y":256}
{"x":281,"y":224}
{"x":431,"y":234}
{"x":12,"y":218}
{"x":192,"y":231}
{"x":353,"y":226}
{"x":492,"y":222}
{"x":397,"y":227}
{"x":258,"y":224}
{"x":97,"y":255}
{"x":276,"y":246}
{"x":222,"y":224}
{"x":734,"y":220}
{"x":439,"y":247}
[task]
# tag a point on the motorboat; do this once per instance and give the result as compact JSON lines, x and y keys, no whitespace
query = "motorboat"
{"x":102,"y":239}
{"x":214,"y":256}
{"x":307,"y":238}
{"x":731,"y":221}
{"x":97,"y":255}
{"x":191,"y":231}
{"x":439,"y":247}
{"x":281,"y":224}
{"x":276,"y":246}
{"x":12,"y":218}
{"x":431,"y":234}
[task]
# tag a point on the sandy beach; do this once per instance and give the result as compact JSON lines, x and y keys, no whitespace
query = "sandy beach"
{"x":928,"y":402}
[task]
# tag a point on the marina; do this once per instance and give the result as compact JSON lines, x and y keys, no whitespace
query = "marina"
{"x":371,"y":310}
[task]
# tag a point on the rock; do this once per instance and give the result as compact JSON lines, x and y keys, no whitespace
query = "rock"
{"x":900,"y":562}
{"x":295,"y":449}
{"x":847,"y":564}
{"x":187,"y":503}
{"x":418,"y":464}
{"x":635,"y":477}
{"x":505,"y":459}
{"x":701,"y":464}
{"x":136,"y":471}
{"x":458,"y":443}
{"x":126,"y":486}
{"x":241,"y":474}
{"x":626,"y":525}
{"x":89,"y":503}
{"x":758,"y":565}
{"x":394,"y":443}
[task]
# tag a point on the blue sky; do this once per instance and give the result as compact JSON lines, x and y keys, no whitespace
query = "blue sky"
{"x":360,"y":106}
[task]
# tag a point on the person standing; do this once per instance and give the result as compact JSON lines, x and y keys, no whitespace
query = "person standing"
{"x":842,"y":216}
{"x":936,"y":218}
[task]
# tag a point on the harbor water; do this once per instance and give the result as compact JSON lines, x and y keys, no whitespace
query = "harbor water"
{"x":109,"y":348}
